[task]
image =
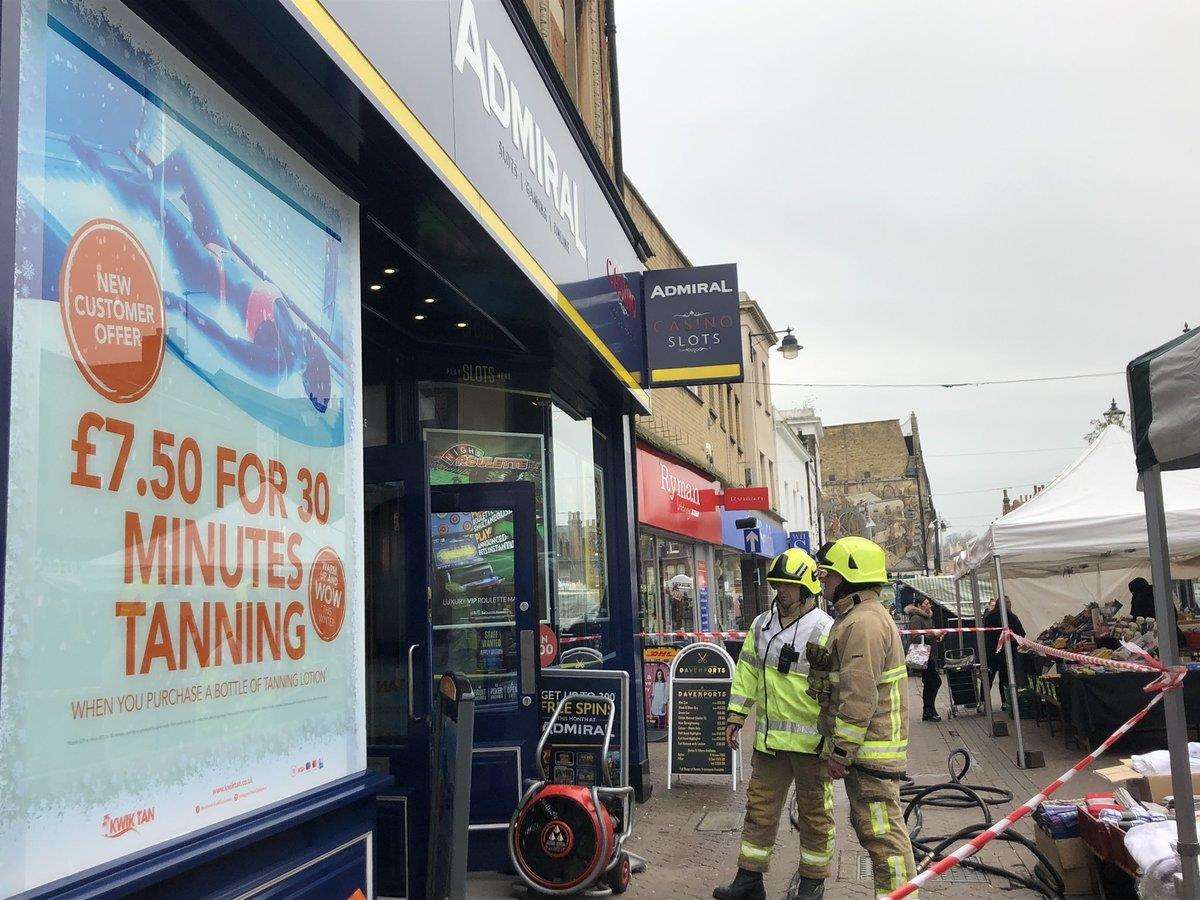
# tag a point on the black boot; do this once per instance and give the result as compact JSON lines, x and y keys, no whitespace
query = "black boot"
{"x":801,"y":888}
{"x":747,"y":886}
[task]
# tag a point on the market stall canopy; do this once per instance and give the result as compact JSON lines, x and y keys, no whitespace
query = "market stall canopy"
{"x":940,"y":589}
{"x":1091,"y":517}
{"x":1164,"y":393}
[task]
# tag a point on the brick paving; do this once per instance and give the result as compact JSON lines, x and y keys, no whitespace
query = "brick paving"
{"x":687,"y":862}
{"x":691,"y":833}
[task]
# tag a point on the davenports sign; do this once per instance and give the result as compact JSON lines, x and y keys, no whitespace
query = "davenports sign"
{"x":693,"y":332}
{"x":701,"y":680}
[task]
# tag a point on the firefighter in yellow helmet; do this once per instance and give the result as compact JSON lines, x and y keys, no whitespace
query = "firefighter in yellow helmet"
{"x":772,"y":676}
{"x":859,"y":677}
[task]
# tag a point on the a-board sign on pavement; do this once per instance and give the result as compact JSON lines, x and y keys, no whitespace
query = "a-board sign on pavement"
{"x":572,"y":753}
{"x":701,"y":676}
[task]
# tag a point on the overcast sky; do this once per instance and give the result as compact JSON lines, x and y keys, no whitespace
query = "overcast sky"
{"x":938,"y":192}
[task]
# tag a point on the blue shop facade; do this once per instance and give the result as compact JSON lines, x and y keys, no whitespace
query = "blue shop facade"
{"x":320,"y":364}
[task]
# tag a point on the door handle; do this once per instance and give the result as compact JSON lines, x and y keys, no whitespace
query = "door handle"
{"x":528,"y":668}
{"x":412,"y":714}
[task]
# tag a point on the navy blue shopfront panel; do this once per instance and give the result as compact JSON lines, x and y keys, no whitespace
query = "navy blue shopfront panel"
{"x":344,"y":873}
{"x":305,"y":842}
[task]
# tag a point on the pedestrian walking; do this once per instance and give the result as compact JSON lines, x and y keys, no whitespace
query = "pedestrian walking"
{"x":920,"y":616}
{"x":859,"y":676}
{"x":772,"y":678}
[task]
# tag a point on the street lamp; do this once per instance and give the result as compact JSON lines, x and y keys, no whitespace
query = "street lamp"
{"x":789,"y":347}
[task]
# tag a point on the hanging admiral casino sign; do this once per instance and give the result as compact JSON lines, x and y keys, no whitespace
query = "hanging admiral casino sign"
{"x":693,"y":332}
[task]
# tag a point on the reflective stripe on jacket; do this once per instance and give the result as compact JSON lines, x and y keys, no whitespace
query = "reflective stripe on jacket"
{"x":787,"y":714}
{"x":867,"y":716}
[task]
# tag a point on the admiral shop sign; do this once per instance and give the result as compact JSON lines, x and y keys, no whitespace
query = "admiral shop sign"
{"x":693,"y":332}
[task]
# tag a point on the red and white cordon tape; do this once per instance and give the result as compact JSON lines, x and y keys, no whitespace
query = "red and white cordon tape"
{"x":1152,"y":664}
{"x":740,"y":635}
{"x":1169,"y":679}
{"x":945,"y":630}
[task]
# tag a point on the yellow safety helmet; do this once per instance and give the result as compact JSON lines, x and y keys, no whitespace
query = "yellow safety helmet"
{"x":794,"y":566}
{"x":856,"y":559}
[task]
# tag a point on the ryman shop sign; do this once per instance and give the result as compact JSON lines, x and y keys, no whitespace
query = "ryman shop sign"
{"x":693,"y":333}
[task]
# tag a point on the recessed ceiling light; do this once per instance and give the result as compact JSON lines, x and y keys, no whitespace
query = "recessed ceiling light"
{"x":461,"y":324}
{"x":419,"y":317}
{"x":377,"y":287}
{"x":389,"y":271}
{"x":431,"y":299}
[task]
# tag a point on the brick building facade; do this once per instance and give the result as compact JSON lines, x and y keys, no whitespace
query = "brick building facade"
{"x":580,"y":36}
{"x":874,"y":484}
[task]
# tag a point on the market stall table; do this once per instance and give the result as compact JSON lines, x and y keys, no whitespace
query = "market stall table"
{"x":1096,"y":705}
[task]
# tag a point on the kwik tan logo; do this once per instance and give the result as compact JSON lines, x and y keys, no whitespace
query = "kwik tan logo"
{"x":620,"y":285}
{"x":468,"y":456}
{"x":120,"y":824}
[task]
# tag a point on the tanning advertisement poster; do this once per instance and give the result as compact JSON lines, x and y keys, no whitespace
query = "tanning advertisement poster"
{"x":183,"y":594}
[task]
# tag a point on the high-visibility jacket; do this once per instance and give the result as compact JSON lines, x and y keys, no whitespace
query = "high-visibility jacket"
{"x":866,"y":719}
{"x":787,"y":714}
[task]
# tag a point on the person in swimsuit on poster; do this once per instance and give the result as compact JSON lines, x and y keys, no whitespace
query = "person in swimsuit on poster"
{"x":226,"y":297}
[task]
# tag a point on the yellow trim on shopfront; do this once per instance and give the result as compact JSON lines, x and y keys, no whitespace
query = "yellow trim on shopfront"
{"x":341,"y":44}
{"x":699,"y":373}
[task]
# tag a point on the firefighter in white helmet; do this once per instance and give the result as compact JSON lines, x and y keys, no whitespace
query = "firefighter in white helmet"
{"x":772,"y":678}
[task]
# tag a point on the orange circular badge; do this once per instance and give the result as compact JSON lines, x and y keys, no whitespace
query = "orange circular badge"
{"x":112,"y":310}
{"x":327,"y":594}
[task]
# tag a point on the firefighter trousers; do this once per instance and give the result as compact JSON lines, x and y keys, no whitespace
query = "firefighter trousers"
{"x":879,"y":823}
{"x":771,"y":777}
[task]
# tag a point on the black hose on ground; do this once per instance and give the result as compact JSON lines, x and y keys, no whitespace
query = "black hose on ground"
{"x":957,"y":794}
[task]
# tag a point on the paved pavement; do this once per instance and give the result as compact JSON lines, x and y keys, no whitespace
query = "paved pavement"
{"x":691,"y":833}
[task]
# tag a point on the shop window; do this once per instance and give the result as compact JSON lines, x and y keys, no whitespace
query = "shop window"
{"x":728,"y":590}
{"x":650,"y":614}
{"x":579,"y":570}
{"x":677,"y":583}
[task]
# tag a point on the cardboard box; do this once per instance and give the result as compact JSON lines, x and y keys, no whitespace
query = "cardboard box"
{"x":1075,"y":863}
{"x":1152,"y":788}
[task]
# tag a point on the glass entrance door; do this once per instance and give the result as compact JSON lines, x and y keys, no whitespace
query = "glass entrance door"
{"x":398,"y":673}
{"x":483,"y":604}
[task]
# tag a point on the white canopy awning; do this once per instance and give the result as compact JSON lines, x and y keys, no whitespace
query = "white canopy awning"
{"x":1092,"y":515}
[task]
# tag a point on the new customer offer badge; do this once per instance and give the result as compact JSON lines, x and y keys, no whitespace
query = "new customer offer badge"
{"x":693,"y":335}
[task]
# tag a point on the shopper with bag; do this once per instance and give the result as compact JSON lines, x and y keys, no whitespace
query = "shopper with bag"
{"x":925,"y":653}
